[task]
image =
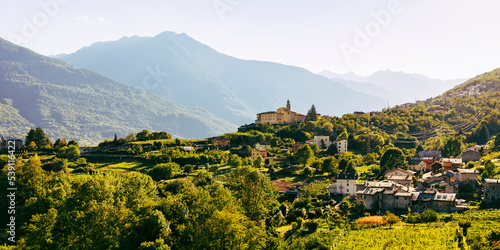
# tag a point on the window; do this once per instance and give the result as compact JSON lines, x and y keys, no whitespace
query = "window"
{"x":347,"y":184}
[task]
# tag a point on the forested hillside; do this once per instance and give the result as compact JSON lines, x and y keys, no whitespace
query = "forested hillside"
{"x":83,"y":105}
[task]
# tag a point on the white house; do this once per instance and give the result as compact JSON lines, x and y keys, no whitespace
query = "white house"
{"x":325,"y":139}
{"x":345,"y":184}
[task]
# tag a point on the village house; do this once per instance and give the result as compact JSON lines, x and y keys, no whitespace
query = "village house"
{"x":444,"y":182}
{"x":341,"y":146}
{"x":323,"y":142}
{"x":222,"y":142}
{"x":428,"y":161}
{"x":417,"y":165}
{"x":345,"y":185}
{"x":479,"y":148}
{"x":384,"y":195}
{"x":266,"y":145}
{"x":451,"y":163}
{"x":292,"y":193}
{"x":4,"y":143}
{"x":470,"y":155}
{"x":468,"y":176}
{"x":256,"y":152}
{"x":282,"y":115}
{"x":436,"y":155}
{"x":401,"y":176}
{"x":491,"y":190}
{"x":432,"y":199}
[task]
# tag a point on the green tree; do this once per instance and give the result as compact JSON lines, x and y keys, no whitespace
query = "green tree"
{"x":59,"y":165}
{"x":73,"y":142}
{"x":69,"y":152}
{"x":39,"y":137}
{"x":489,"y":169}
{"x":351,"y":168}
{"x":144,"y":135}
{"x":59,"y":143}
{"x":135,"y":149}
{"x":308,"y":171}
{"x":481,"y":135}
{"x":496,"y":146}
{"x":203,"y":178}
{"x":413,"y":218}
{"x":429,"y":216}
{"x":343,"y":164}
{"x":39,"y":230}
{"x":164,"y":171}
{"x":436,"y":167}
{"x":254,"y":191}
{"x":330,"y":165}
{"x":284,"y":209}
{"x":314,"y":148}
{"x":235,"y":160}
{"x":322,"y":144}
{"x":343,"y":136}
{"x":311,"y":114}
{"x":392,"y":158}
{"x":453,"y":147}
{"x":332,"y":149}
{"x":304,"y":155}
{"x":257,"y":163}
{"x":391,"y":218}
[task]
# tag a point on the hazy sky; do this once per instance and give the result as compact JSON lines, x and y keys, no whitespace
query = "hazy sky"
{"x":442,"y":39}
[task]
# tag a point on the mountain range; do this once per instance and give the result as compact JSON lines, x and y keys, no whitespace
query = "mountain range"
{"x":181,"y":69}
{"x":80,"y":104}
{"x":395,"y":87}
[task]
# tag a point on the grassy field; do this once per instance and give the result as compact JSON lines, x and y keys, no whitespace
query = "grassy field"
{"x":117,"y":165}
{"x":363,"y":168}
{"x":402,"y":237}
{"x":172,"y":141}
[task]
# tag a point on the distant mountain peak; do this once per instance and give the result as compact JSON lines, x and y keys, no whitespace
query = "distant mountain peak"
{"x":407,"y":87}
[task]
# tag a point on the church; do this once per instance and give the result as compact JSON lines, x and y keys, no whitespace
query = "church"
{"x":283,"y":115}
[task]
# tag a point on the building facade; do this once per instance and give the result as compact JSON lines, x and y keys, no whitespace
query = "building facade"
{"x":341,"y":146}
{"x":282,"y":115}
{"x":491,"y":190}
{"x":417,"y":165}
{"x":345,"y":184}
{"x":4,"y":144}
{"x":401,"y":176}
{"x":323,"y":142}
{"x":256,"y":152}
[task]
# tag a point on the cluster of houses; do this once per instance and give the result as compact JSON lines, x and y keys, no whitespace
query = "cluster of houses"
{"x":427,"y":158}
{"x":471,"y":90}
{"x":261,"y":149}
{"x":405,"y":189}
{"x":323,"y":142}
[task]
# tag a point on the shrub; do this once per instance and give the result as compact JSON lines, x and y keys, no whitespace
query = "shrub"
{"x":164,"y":171}
{"x":311,"y":226}
{"x":372,"y":221}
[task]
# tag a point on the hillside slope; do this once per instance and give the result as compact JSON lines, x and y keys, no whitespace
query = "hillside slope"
{"x":84,"y":105}
{"x":192,"y":73}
